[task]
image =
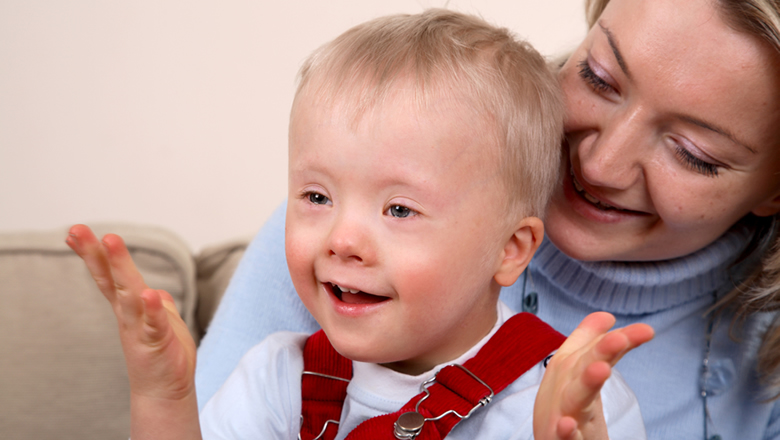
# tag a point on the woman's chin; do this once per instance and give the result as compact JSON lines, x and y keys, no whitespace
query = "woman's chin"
{"x":573,"y":244}
{"x":588,"y":241}
{"x":566,"y":231}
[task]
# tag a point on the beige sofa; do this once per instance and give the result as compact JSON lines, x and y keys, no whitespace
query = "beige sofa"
{"x":62,"y":373}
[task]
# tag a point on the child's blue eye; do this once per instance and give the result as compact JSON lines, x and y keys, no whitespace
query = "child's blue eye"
{"x":317,"y":198}
{"x":399,"y":211}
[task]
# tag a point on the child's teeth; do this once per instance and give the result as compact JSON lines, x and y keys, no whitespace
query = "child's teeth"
{"x":352,"y":291}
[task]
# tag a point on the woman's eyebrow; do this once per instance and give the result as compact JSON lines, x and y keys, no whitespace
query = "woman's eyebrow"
{"x":613,"y":44}
{"x":712,"y":127}
{"x":716,"y":129}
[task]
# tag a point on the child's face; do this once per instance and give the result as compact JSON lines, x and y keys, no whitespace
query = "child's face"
{"x":396,"y":207}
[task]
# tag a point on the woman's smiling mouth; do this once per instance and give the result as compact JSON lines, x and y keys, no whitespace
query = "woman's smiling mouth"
{"x":596,"y":202}
{"x":581,"y":191}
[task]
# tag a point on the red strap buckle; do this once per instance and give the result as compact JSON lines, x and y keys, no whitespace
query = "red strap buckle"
{"x":456,"y":380}
{"x":328,"y":421}
{"x":453,"y":379}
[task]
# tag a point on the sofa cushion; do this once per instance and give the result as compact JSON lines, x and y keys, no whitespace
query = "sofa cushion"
{"x":215,"y":266}
{"x":62,"y":370}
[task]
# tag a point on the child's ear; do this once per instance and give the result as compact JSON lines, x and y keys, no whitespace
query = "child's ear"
{"x":768,"y":207}
{"x":519,"y":249}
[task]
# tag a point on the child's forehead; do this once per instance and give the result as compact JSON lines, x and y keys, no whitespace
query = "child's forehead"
{"x":362,"y":98}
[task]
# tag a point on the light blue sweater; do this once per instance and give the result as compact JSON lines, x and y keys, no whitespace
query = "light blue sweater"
{"x":666,"y":374}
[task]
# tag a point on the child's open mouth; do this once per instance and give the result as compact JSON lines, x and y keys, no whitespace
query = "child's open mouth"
{"x":351,"y":296}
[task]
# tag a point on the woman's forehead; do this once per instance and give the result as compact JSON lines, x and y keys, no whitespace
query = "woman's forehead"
{"x":692,"y":34}
{"x":686,"y":61}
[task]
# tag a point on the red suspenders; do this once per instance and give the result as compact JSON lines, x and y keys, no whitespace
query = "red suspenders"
{"x":323,"y":388}
{"x":456,"y":391}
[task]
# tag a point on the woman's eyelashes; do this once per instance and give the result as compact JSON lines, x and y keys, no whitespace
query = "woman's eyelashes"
{"x":600,"y":85}
{"x":695,"y":163}
{"x":596,"y":82}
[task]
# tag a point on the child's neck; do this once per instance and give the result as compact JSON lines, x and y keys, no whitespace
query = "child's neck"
{"x":478,"y":337}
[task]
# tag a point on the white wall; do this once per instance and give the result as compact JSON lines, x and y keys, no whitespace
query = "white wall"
{"x":175,"y":112}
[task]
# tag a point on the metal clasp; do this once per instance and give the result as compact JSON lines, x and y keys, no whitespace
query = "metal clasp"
{"x":410,"y":424}
{"x":330,"y":421}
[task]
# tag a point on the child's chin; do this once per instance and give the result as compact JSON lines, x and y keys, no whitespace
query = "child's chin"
{"x":360,"y":352}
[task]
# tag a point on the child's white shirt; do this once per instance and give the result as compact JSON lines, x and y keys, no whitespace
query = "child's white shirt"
{"x":262,"y":397}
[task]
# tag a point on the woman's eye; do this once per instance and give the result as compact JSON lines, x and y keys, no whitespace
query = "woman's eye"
{"x":317,"y":198}
{"x":695,"y":163}
{"x":399,"y":211}
{"x":596,"y":82}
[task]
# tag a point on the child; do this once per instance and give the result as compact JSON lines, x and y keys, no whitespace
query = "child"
{"x":422,"y":152}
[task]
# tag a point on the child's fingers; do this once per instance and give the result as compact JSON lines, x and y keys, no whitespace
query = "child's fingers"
{"x":615,"y":344}
{"x":126,"y":276}
{"x":609,"y":347}
{"x":577,"y":351}
{"x":83,"y":241}
{"x":580,"y":394}
{"x":638,"y":334}
{"x":154,"y":315}
{"x":113,"y":270}
{"x":566,"y":429}
{"x":128,"y":282}
{"x":597,"y":323}
{"x":589,"y":330}
{"x":167,"y":298}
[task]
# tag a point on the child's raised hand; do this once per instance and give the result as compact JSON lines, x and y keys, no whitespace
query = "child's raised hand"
{"x":568,"y":405}
{"x":159,"y":350}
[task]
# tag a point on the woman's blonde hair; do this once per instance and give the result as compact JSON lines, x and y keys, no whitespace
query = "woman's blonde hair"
{"x":760,"y":292}
{"x":442,"y":53}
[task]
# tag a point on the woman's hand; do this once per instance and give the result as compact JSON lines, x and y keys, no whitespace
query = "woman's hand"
{"x":159,"y":350}
{"x":568,"y":405}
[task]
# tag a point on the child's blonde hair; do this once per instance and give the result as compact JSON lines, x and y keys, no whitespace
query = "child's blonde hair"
{"x":444,"y":53}
{"x":760,"y":292}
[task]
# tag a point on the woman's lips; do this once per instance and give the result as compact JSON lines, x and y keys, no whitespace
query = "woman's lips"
{"x":593,"y":208}
{"x":587,"y":196}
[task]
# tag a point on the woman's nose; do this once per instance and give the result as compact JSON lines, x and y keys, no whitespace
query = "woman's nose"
{"x":613,"y":156}
{"x":350,"y":240}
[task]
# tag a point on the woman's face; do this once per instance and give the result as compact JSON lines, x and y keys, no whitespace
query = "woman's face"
{"x":673,"y":130}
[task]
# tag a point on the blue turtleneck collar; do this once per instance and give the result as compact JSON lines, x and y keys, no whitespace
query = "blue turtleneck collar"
{"x":645,"y":287}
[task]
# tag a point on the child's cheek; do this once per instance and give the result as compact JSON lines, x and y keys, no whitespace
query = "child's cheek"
{"x":421,"y":276}
{"x":299,"y":261}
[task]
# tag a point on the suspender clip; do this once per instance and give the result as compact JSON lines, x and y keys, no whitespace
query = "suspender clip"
{"x":410,"y":424}
{"x":482,"y":402}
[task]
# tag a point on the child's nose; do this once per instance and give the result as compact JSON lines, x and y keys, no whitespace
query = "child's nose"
{"x":350,"y":240}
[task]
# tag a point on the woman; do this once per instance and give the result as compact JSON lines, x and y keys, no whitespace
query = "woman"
{"x":667,"y":208}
